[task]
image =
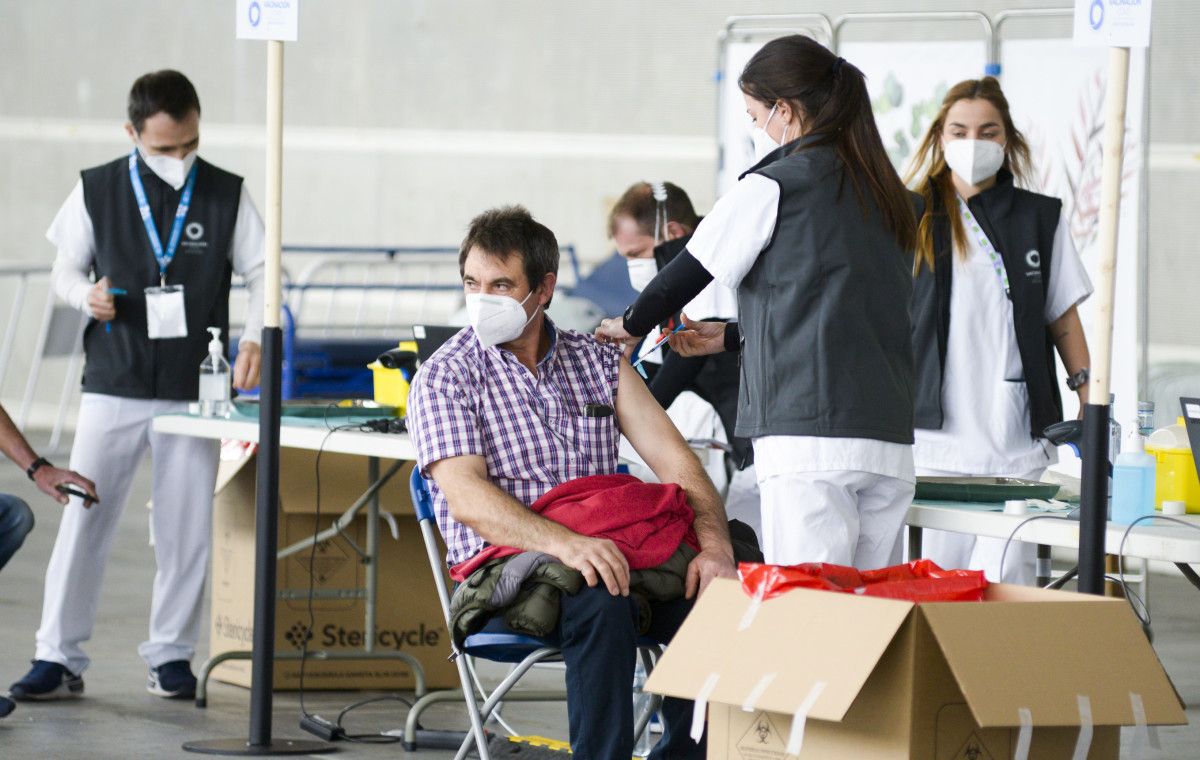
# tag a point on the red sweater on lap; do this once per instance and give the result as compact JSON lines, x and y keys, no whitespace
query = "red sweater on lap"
{"x":647,"y":521}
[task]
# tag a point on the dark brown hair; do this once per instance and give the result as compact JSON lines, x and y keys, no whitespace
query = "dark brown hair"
{"x":638,"y":204}
{"x":929,"y":163}
{"x":830,"y":95}
{"x":511,"y":230}
{"x":166,"y":91}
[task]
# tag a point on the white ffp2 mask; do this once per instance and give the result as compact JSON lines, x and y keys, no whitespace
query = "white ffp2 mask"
{"x":497,"y":319}
{"x":169,"y":169}
{"x":974,"y":160}
{"x":641,"y":272}
{"x":763,"y":142}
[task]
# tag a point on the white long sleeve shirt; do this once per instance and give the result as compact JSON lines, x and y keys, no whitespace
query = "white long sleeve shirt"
{"x":72,"y":234}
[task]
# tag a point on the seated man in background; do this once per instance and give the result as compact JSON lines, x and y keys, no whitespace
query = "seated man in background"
{"x":512,"y":407}
{"x":649,"y":225}
{"x":16,"y":518}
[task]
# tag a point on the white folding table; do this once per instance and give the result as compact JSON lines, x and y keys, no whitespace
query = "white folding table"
{"x":313,"y":434}
{"x":1154,"y":540}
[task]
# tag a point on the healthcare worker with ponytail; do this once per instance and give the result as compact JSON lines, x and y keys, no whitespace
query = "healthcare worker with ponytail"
{"x":998,"y":281}
{"x":817,"y":240}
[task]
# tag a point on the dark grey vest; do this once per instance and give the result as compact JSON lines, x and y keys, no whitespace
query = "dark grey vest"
{"x":824,"y":312}
{"x":1021,"y":226}
{"x":123,"y":361}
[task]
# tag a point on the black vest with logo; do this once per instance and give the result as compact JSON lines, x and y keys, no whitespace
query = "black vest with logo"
{"x":123,"y":361}
{"x":824,"y":311}
{"x":1020,"y":225}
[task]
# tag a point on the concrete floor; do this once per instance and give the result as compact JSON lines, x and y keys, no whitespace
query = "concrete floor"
{"x":118,"y":719}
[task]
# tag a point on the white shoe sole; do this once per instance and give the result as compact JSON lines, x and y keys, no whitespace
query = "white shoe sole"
{"x":158,"y":691}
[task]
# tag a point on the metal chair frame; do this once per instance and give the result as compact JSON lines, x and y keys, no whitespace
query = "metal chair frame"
{"x":480,"y":645}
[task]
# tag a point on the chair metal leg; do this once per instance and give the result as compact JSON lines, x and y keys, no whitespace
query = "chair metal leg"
{"x":649,"y":656}
{"x":477,"y":734}
{"x":500,"y":691}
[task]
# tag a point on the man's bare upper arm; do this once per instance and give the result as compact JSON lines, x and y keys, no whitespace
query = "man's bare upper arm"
{"x":644,"y":423}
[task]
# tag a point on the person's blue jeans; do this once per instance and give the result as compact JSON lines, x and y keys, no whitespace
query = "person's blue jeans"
{"x":16,"y":520}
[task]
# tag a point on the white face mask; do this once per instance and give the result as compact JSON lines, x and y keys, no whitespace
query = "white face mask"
{"x":169,"y":169}
{"x":497,"y":319}
{"x":763,"y":142}
{"x":974,"y":160}
{"x":641,"y":272}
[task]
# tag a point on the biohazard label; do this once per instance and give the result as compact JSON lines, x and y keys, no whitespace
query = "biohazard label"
{"x":974,"y":749}
{"x":763,"y":740}
{"x":959,"y":737}
{"x":330,"y":558}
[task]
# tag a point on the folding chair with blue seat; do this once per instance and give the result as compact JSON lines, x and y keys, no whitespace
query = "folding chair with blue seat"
{"x":495,"y":643}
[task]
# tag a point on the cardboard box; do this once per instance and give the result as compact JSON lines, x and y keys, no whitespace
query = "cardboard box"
{"x":408,"y":615}
{"x":945,"y":681}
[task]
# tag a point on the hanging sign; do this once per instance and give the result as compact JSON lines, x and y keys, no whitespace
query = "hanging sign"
{"x":268,"y":19}
{"x":1112,"y":23}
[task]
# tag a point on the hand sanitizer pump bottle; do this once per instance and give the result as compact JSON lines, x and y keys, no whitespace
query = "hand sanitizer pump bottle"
{"x":214,"y":379}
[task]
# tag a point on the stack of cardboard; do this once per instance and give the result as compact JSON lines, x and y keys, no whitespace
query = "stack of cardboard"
{"x":844,"y":676}
{"x":408,"y":616}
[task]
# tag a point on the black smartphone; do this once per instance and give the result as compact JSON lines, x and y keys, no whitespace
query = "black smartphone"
{"x":69,"y":491}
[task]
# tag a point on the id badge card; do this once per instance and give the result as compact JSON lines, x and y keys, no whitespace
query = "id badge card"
{"x":165,"y":316}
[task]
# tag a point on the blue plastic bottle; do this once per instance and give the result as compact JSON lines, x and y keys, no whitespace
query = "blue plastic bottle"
{"x":1133,"y":483}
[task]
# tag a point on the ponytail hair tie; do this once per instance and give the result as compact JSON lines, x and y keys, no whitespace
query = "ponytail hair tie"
{"x":837,"y":66}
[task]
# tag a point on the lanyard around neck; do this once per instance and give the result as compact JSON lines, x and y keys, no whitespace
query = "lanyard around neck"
{"x":163,"y":258}
{"x":986,"y":246}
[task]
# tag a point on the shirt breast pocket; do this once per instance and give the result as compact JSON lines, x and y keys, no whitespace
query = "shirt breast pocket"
{"x":597,"y":439}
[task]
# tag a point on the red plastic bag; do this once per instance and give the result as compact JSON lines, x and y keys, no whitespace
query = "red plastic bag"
{"x":917,"y":581}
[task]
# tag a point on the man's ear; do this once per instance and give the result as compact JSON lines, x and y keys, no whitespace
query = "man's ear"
{"x":546,"y":290}
{"x":675,"y":230}
{"x":129,"y":130}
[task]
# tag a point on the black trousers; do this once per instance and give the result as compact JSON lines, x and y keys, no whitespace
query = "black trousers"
{"x":598,"y":636}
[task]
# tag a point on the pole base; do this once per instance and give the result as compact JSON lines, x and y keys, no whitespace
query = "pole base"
{"x":244,"y":748}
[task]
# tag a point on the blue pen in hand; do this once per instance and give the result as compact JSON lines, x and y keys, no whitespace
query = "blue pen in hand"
{"x":115,"y":292}
{"x":661,"y":342}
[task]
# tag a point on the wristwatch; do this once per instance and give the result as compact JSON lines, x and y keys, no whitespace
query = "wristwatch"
{"x":1079,"y":379}
{"x":36,"y":465}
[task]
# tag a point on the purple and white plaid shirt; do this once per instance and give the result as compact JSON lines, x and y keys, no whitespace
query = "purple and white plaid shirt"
{"x":531,"y":431}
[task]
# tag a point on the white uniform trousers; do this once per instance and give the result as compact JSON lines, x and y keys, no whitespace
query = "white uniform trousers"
{"x":845,"y":517}
{"x":111,"y":440}
{"x":954,"y":551}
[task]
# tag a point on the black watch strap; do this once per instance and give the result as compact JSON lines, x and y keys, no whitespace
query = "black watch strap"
{"x":1076,"y":381}
{"x":36,"y":465}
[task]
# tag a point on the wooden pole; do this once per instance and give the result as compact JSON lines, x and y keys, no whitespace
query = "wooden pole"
{"x":1094,"y":502}
{"x":273,"y":297}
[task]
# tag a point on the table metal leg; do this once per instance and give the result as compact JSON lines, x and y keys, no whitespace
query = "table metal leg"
{"x":1189,"y":573}
{"x":914,"y":542}
{"x":1066,"y":578}
{"x":1044,"y":570}
{"x":372,"y":558}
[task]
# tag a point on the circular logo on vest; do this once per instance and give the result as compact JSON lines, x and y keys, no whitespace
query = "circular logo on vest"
{"x":1033,"y":259}
{"x":194,"y":231}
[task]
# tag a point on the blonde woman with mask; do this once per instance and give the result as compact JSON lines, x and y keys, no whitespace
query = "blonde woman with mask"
{"x":997,"y":284}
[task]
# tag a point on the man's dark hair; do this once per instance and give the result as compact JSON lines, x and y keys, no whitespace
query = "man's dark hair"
{"x":638,"y":204}
{"x":166,"y":91}
{"x":508,"y":230}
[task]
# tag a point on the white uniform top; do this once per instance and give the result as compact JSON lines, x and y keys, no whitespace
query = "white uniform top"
{"x":72,"y":234}
{"x":727,"y":243}
{"x":985,"y":403}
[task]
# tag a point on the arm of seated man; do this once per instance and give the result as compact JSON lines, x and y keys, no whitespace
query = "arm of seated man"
{"x":501,"y":520}
{"x":658,"y":442}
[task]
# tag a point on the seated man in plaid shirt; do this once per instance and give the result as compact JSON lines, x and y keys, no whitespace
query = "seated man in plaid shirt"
{"x":513,"y":406}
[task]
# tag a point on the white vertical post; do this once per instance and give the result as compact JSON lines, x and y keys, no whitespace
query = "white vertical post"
{"x":273,"y":296}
